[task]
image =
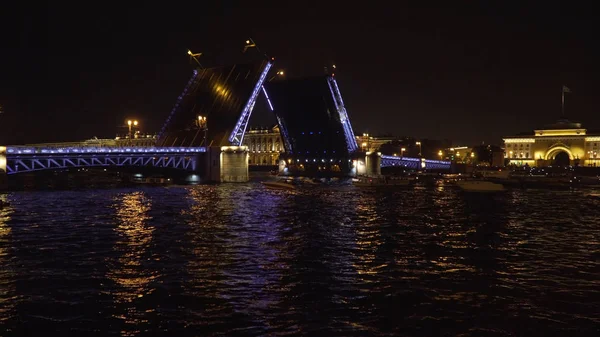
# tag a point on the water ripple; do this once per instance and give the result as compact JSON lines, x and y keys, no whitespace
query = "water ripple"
{"x":241,"y":260}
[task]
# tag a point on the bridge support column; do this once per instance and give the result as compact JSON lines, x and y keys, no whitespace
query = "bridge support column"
{"x":373,"y":164}
{"x":227,"y":164}
{"x":3,"y":178}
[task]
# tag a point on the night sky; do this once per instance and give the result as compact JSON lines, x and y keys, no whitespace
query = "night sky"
{"x":467,"y":73}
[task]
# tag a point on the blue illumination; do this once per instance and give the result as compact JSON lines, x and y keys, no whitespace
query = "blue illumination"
{"x":339,"y":105}
{"x":27,"y":159}
{"x":237,"y":135}
{"x":414,"y":162}
{"x":282,"y":128}
{"x":267,"y":96}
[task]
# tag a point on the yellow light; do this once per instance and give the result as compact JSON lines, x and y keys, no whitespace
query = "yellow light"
{"x":247,"y":41}
{"x":472,"y":154}
{"x":189,"y":52}
{"x":129,"y":122}
{"x":519,"y":140}
{"x":135,"y":123}
{"x":560,"y":132}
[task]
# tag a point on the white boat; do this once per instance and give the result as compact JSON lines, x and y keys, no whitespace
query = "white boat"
{"x":278,"y":185}
{"x":379,"y":182}
{"x":479,"y":186}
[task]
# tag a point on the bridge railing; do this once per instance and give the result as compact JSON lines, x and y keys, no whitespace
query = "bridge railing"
{"x":414,"y":163}
{"x":99,"y":150}
{"x":21,"y":159}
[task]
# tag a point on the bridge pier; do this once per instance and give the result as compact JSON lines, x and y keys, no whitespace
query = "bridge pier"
{"x":227,"y":164}
{"x":373,"y":163}
{"x":368,"y":164}
{"x":3,"y":181}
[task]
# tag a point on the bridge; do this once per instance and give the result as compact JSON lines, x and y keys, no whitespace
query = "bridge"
{"x":203,"y":134}
{"x":29,"y":159}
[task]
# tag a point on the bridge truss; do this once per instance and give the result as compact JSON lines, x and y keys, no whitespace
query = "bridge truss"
{"x":414,"y":163}
{"x":28,"y":159}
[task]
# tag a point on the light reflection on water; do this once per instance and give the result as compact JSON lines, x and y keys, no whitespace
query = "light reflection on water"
{"x":7,"y":273}
{"x":241,"y":260}
{"x":129,"y":272}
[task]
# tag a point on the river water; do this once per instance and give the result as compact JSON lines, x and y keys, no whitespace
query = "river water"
{"x":239,"y":260}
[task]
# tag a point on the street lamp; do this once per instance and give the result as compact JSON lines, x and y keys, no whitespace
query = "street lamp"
{"x":278,"y":73}
{"x":440,"y":153}
{"x":131,"y":123}
{"x":202,"y":126}
{"x":202,"y":122}
{"x":195,"y":56}
{"x":419,"y":144}
{"x":402,"y":151}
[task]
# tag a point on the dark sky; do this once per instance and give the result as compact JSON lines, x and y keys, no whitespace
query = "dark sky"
{"x":469,"y":73}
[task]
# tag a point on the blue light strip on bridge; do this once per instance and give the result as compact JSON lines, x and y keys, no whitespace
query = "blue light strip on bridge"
{"x":348,"y":132}
{"x":283,"y":129}
{"x":267,"y":96}
{"x":237,"y":135}
{"x":415,"y":163}
{"x":97,"y":150}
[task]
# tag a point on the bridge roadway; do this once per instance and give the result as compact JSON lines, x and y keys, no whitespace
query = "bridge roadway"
{"x":20,"y":159}
{"x":415,"y":163}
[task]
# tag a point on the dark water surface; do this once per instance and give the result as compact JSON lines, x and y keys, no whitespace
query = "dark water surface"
{"x":237,"y":260}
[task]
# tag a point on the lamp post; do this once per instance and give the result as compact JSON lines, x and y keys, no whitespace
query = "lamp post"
{"x":420,"y":149}
{"x":402,"y":151}
{"x":440,"y":153}
{"x":279,"y":73}
{"x":130,"y":124}
{"x":195,"y":56}
{"x":202,"y":126}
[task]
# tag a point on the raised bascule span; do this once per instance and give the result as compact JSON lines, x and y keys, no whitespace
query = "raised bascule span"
{"x":215,"y":106}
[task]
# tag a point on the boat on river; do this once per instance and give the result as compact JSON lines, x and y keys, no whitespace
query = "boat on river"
{"x":479,"y":186}
{"x":379,"y":182}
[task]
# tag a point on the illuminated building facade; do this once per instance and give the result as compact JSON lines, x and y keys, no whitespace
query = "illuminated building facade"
{"x":368,"y":143}
{"x":264,"y":145}
{"x":561,"y":143}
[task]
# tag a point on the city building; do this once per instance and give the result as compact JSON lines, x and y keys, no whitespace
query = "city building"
{"x":264,"y":145}
{"x":368,"y":143}
{"x":561,"y":143}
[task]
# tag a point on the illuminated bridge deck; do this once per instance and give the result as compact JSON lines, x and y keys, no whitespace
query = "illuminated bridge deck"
{"x":414,"y":163}
{"x":20,"y":159}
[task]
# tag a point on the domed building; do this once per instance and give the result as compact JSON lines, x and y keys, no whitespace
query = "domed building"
{"x":562,"y":143}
